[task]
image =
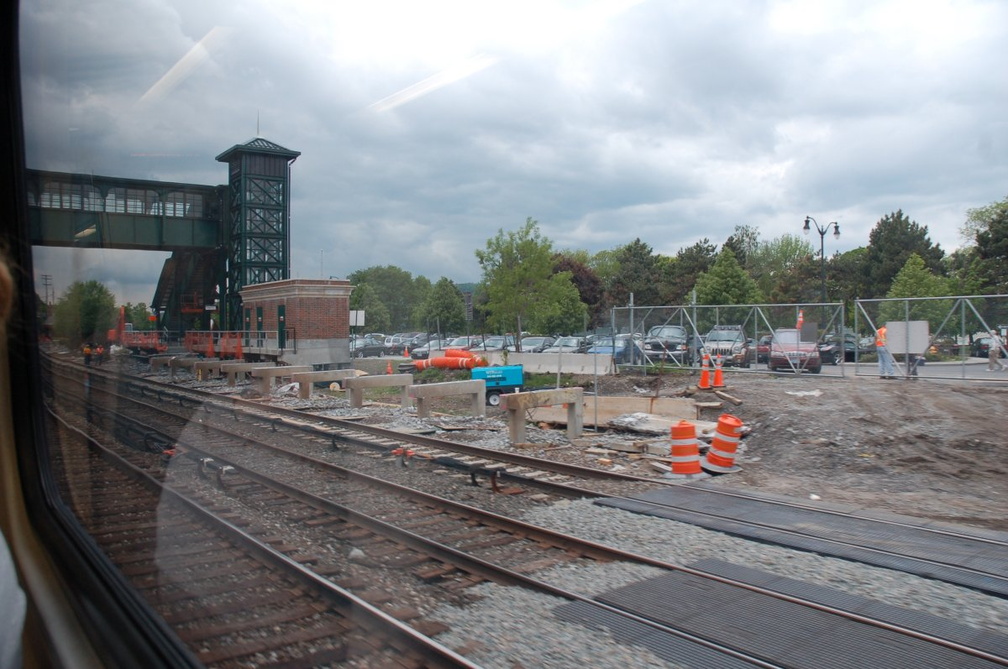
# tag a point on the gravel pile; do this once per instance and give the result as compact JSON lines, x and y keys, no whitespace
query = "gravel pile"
{"x":522,"y":625}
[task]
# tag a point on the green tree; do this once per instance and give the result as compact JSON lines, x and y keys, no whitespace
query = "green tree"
{"x":915,"y":280}
{"x":637,"y":275}
{"x":396,"y":289}
{"x":376,"y":314}
{"x":846,"y":278}
{"x":992,"y":253}
{"x":569,"y":316}
{"x":979,"y":218}
{"x":743,"y":242}
{"x":727,"y":283}
{"x":774,"y":263}
{"x":139,"y":315}
{"x":890,"y":243}
{"x":688,"y":265}
{"x":444,"y":310}
{"x":588,"y":285}
{"x":86,"y":312}
{"x":519,"y":280}
{"x":422,"y":288}
{"x":964,"y":271}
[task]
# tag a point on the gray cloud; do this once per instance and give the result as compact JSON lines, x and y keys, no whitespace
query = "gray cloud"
{"x":665,"y":121}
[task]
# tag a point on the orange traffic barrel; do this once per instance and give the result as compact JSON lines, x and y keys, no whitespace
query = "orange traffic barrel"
{"x":685,"y":453}
{"x":720,"y":457}
{"x":705,"y":373}
{"x":718,"y":374}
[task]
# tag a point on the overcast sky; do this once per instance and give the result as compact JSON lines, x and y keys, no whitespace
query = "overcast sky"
{"x":426,"y":126}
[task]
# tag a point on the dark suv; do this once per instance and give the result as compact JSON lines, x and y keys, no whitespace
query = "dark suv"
{"x":667,"y":342}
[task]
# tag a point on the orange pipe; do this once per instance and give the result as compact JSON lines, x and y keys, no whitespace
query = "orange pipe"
{"x":458,"y":353}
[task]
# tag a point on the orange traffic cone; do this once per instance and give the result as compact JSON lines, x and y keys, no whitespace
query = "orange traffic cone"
{"x":405,"y":351}
{"x":720,"y":457}
{"x":685,"y":453}
{"x":388,"y":367}
{"x":718,"y":376}
{"x":705,"y":374}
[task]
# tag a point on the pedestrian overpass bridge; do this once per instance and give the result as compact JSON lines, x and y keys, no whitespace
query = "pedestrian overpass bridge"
{"x":222,"y":238}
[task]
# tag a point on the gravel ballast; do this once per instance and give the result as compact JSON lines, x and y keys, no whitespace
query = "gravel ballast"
{"x":524,"y":624}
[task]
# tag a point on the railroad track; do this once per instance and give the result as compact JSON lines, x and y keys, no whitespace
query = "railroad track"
{"x":228,"y":596}
{"x":517,"y":550}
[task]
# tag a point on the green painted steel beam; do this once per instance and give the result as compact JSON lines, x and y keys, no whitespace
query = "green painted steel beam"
{"x":59,"y":227}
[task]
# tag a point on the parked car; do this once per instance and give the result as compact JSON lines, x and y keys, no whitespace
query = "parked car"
{"x":534,"y":344}
{"x":730,"y":343}
{"x":566,"y":345}
{"x":667,"y":342}
{"x":789,"y":352}
{"x":981,"y":347}
{"x":422,"y":351}
{"x":492,"y":343}
{"x":763,"y":348}
{"x":832,"y":349}
{"x":397,"y":343}
{"x":367,"y":347}
{"x":624,"y":349}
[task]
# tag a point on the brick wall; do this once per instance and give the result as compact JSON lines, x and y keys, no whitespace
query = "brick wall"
{"x":314,"y":309}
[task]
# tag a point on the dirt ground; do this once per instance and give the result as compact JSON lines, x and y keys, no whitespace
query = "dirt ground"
{"x":929,"y":449}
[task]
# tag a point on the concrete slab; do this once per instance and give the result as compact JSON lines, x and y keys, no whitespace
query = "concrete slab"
{"x":307,"y":380}
{"x":427,"y":392}
{"x":269,"y":375}
{"x":185,"y":362}
{"x":357,"y":386}
{"x":518,"y":406}
{"x":233,"y":369}
{"x":598,"y":411}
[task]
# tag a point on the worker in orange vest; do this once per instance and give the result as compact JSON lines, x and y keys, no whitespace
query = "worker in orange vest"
{"x":887,"y":368}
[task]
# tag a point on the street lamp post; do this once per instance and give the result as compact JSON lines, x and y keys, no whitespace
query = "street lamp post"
{"x":822,"y":247}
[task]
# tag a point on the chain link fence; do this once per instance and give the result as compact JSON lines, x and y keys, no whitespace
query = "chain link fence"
{"x":943,"y":337}
{"x":732,"y":331}
{"x":937,"y":337}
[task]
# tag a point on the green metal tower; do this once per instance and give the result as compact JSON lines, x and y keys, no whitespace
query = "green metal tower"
{"x":258,"y":220}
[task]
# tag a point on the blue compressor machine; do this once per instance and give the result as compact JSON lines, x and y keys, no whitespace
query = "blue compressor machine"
{"x":503,"y":379}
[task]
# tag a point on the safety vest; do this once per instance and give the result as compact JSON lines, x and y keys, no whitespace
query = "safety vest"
{"x":880,"y":336}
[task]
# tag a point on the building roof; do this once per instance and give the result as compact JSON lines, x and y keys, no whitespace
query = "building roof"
{"x":258,"y":145}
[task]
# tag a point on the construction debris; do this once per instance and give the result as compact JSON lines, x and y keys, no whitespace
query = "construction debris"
{"x":728,"y":398}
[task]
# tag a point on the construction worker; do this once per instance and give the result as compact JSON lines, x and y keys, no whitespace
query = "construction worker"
{"x":887,"y":370}
{"x":87,"y":354}
{"x":994,"y":353}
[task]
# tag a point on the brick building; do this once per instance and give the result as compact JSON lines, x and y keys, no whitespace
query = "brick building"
{"x":298,"y":321}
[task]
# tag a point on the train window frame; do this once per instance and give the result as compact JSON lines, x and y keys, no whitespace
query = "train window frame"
{"x":82,"y":612}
